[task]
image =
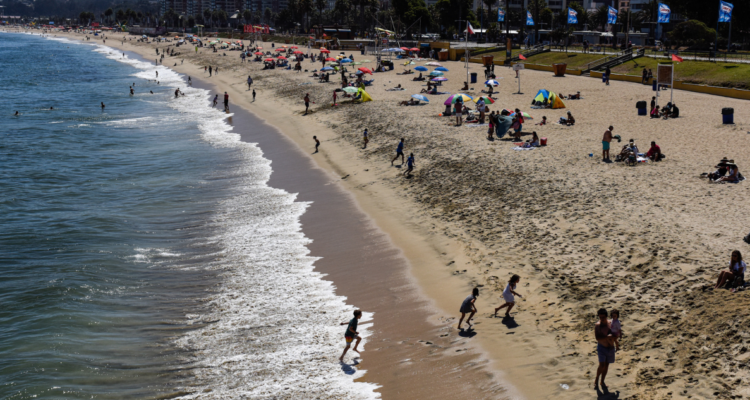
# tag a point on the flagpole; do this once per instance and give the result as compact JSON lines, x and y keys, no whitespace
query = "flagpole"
{"x":466,"y":52}
{"x":716,"y":44}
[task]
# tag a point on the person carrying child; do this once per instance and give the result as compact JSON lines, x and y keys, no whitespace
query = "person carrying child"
{"x":508,"y":293}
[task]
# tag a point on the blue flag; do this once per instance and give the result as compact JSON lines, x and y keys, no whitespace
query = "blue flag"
{"x":612,"y":16}
{"x":529,"y":19}
{"x":500,"y":15}
{"x":572,"y":16}
{"x":664,"y":13}
{"x":725,"y":11}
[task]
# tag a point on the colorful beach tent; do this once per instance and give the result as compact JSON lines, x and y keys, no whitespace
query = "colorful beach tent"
{"x":363,"y":96}
{"x":553,"y":99}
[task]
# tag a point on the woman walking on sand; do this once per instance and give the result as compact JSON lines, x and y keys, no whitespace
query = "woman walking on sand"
{"x":508,"y":293}
{"x":467,"y":307}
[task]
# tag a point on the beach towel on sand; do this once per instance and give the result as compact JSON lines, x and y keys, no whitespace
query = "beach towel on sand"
{"x":519,"y":148}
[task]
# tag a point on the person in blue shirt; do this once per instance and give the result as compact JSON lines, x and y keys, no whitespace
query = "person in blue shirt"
{"x":409,"y":164}
{"x":399,"y":152}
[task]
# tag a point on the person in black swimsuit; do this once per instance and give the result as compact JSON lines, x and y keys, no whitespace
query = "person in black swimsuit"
{"x":605,"y":347}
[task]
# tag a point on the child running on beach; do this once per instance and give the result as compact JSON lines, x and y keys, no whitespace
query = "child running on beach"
{"x":616,"y":327}
{"x":366,"y":139}
{"x":317,"y":143}
{"x":409,"y":164}
{"x":216,"y":100}
{"x":399,"y":152}
{"x":508,"y":293}
{"x":468,"y":307}
{"x":351,"y":334}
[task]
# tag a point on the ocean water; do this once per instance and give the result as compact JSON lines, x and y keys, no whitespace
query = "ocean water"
{"x":142,"y":253}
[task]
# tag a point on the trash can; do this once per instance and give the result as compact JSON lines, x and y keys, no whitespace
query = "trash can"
{"x":362,"y":51}
{"x":641,"y":106}
{"x":653,"y":86}
{"x":390,"y":67}
{"x":473,"y":77}
{"x":728,"y":116}
{"x":559,"y":69}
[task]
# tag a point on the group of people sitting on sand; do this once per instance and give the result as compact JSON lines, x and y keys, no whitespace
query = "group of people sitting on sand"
{"x":726,"y":171}
{"x":668,"y":111}
{"x":431,"y":88}
{"x":630,"y":153}
{"x":567,"y":121}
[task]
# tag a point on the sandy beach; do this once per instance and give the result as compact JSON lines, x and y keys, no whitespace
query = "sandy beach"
{"x":581,"y":233}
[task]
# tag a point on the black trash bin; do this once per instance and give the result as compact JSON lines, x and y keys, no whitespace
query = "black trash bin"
{"x":473,"y":77}
{"x":641,"y":106}
{"x":727,"y":116}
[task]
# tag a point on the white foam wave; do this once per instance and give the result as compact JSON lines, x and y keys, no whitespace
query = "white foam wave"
{"x":274,"y":328}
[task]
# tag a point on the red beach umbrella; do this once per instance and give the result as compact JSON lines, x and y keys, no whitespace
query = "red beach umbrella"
{"x":324,"y":51}
{"x":294,"y":47}
{"x":414,"y":49}
{"x":279,"y":49}
{"x":331,"y":59}
{"x":281,"y":58}
{"x":269,"y":59}
{"x":405,"y":48}
{"x":365,"y":70}
{"x":258,"y":53}
{"x":297,"y":52}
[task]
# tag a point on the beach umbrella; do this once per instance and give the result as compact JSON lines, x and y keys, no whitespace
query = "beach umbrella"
{"x":455,"y":97}
{"x":259,"y":48}
{"x":358,"y":73}
{"x":269,"y":59}
{"x":436,"y":73}
{"x":365,"y":70}
{"x":279,"y":49}
{"x":281,"y":58}
{"x":443,"y":69}
{"x":420,"y":68}
{"x":346,"y":60}
{"x":366,"y":61}
{"x":439,"y":79}
{"x":294,"y":47}
{"x":285,"y":46}
{"x":356,"y":63}
{"x":434,"y":64}
{"x":421,"y":98}
{"x":525,"y":115}
{"x":257,"y":53}
{"x":351,"y":89}
{"x":408,"y":63}
{"x":330,"y":59}
{"x":487,"y":100}
{"x":324,"y":51}
{"x":492,"y":82}
{"x":414,"y":49}
{"x":297,"y":52}
{"x":326,"y":69}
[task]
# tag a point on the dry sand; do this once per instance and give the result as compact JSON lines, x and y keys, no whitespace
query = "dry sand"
{"x":582,"y":234}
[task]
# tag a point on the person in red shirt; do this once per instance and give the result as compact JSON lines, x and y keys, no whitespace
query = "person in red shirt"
{"x":654,"y":153}
{"x":226,"y":101}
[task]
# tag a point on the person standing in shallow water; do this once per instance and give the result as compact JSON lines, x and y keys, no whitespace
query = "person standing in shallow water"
{"x":351,"y":334}
{"x":468,"y":307}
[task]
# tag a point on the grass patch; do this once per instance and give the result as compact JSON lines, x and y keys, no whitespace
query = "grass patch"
{"x":698,"y":72}
{"x":574,"y":60}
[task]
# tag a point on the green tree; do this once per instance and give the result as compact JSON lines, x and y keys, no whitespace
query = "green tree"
{"x":599,"y":18}
{"x":108,"y":13}
{"x":321,"y":5}
{"x":305,"y":8}
{"x":536,"y":7}
{"x":207,"y":16}
{"x":692,"y":33}
{"x":267,"y":15}
{"x":342,"y":11}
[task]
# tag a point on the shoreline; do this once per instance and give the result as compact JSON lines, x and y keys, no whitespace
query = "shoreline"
{"x":413,"y":348}
{"x":583,"y":234}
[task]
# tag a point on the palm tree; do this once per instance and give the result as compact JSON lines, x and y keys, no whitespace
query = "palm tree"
{"x":207,"y":16}
{"x":108,"y":13}
{"x":536,"y":7}
{"x":489,"y":4}
{"x":600,"y":17}
{"x":320,"y":5}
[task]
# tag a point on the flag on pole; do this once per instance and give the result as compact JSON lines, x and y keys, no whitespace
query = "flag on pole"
{"x":470,"y":29}
{"x":612,"y":16}
{"x":500,"y":15}
{"x":676,"y":58}
{"x":572,"y":16}
{"x":725,"y":11}
{"x":664,"y":13}
{"x":529,"y":19}
{"x":520,"y":56}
